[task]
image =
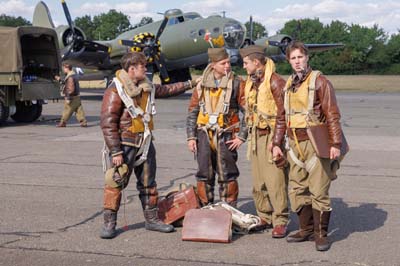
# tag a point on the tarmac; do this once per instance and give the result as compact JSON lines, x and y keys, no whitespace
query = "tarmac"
{"x":52,"y":187}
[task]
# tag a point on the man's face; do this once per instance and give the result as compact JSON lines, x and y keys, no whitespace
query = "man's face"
{"x":298,"y":60}
{"x":137,"y":72}
{"x":222,"y":67}
{"x":65,"y":70}
{"x":250,"y":65}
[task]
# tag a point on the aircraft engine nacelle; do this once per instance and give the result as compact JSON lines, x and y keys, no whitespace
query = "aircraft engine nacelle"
{"x":65,"y":35}
{"x":276,"y":46}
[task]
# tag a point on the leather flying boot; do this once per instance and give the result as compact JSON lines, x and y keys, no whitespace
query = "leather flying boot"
{"x":153,"y":223}
{"x":321,"y":223}
{"x":229,"y":192}
{"x":61,"y":124}
{"x":110,"y":222}
{"x":306,"y":231}
{"x":204,"y":193}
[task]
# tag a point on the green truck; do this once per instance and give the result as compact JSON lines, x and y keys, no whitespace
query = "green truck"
{"x":29,"y":60}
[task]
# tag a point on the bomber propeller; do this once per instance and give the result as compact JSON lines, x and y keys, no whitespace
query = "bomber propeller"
{"x":77,"y":48}
{"x":150,"y":45}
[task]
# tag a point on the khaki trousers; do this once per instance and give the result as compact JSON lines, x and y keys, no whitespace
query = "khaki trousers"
{"x":309,"y":188}
{"x":269,"y":184}
{"x":74,"y":105}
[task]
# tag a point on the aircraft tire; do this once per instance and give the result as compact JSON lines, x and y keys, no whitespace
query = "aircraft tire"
{"x":27,"y":113}
{"x":4,"y":112}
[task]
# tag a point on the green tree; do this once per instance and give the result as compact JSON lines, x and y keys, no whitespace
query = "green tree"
{"x":144,"y":21}
{"x":110,"y":25}
{"x":306,"y":30}
{"x":393,"y":48}
{"x":87,"y":25}
{"x":259,"y":30}
{"x":12,"y":21}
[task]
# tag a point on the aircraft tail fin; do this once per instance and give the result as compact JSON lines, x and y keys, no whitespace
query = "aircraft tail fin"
{"x":41,"y":16}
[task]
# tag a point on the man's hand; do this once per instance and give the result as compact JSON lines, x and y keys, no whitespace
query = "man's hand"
{"x":276,"y":152}
{"x":269,"y":147}
{"x":118,"y":160}
{"x":57,"y":77}
{"x":68,"y":101}
{"x":234,"y":144}
{"x":334,"y":153}
{"x":192,"y":145}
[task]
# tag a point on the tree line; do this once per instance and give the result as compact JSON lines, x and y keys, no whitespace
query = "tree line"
{"x":367,"y":50}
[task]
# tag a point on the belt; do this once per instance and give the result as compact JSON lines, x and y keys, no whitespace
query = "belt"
{"x":301,"y":134}
{"x":263,"y":131}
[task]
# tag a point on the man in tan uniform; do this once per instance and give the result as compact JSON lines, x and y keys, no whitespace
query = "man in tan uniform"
{"x":70,"y":90}
{"x":310,"y":100}
{"x":266,"y":122}
{"x":214,"y":130}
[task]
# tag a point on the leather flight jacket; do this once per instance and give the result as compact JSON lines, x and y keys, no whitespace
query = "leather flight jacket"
{"x":236,"y":105}
{"x":326,"y":110}
{"x":70,"y":86}
{"x":115,"y":121}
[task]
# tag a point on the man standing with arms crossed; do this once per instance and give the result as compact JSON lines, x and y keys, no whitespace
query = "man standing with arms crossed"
{"x":266,"y":122}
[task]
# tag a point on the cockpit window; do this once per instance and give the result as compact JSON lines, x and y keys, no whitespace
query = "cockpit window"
{"x":175,"y":20}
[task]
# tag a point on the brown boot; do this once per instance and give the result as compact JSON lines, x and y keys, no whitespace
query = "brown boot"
{"x":306,"y":226}
{"x":321,"y":223}
{"x":204,"y":193}
{"x":229,"y":192}
{"x":153,"y":223}
{"x":110,"y":222}
{"x":61,"y":124}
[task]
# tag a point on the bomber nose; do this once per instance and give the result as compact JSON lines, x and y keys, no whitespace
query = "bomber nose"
{"x":234,"y":56}
{"x":233,"y":35}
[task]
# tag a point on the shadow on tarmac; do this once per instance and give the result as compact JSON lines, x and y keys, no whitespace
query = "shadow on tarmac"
{"x":347,"y":220}
{"x":344,"y":221}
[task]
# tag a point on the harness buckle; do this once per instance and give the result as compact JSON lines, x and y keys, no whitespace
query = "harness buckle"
{"x":225,"y":109}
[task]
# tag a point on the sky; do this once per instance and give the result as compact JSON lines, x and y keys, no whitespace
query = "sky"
{"x":272,"y":14}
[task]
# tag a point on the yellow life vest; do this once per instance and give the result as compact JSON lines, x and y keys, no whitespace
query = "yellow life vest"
{"x":202,"y":118}
{"x":299,"y":104}
{"x":137,"y":123}
{"x":261,"y":107}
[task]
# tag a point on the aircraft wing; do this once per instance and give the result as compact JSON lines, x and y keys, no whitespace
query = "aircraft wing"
{"x":323,"y":46}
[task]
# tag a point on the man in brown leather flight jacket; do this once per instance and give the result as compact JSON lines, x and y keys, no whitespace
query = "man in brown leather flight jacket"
{"x":310,"y":100}
{"x":127,"y":121}
{"x":70,"y":90}
{"x":265,"y":119}
{"x":214,"y":130}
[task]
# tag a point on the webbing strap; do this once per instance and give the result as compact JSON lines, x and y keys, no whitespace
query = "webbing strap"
{"x":223,"y":101}
{"x":311,"y":93}
{"x":134,"y":111}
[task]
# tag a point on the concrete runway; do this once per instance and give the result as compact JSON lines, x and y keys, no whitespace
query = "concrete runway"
{"x":51,"y":194}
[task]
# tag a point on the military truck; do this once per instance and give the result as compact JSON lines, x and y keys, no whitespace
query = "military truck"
{"x":29,"y":60}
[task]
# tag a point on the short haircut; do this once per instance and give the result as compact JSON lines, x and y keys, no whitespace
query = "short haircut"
{"x":294,"y":46}
{"x":257,"y":56}
{"x":67,"y":65}
{"x":133,"y":59}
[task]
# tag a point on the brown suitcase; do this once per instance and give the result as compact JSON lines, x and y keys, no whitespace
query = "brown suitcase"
{"x":174,"y":206}
{"x":206,"y":225}
{"x":319,"y":137}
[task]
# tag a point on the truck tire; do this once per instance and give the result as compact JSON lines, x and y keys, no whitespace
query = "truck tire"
{"x":4,"y":112}
{"x":27,"y":113}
